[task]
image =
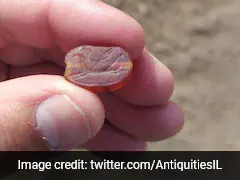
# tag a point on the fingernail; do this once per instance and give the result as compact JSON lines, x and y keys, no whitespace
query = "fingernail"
{"x":62,"y":123}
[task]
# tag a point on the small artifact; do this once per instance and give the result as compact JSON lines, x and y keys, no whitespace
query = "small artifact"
{"x":98,"y":69}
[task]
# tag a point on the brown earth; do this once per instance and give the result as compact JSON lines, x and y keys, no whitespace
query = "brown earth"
{"x":199,"y":42}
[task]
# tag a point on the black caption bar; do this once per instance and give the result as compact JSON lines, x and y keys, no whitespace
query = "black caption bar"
{"x":139,"y":165}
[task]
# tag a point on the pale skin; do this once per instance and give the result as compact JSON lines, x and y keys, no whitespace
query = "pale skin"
{"x":34,"y":38}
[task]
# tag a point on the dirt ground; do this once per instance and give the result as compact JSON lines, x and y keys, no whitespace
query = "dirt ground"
{"x":199,"y":41}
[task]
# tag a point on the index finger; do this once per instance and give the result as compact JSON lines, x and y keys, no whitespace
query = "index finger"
{"x":68,"y":23}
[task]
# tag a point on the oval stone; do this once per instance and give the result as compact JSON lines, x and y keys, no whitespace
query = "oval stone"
{"x":98,"y":69}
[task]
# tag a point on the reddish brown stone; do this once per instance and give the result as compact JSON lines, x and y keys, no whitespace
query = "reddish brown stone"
{"x":98,"y":69}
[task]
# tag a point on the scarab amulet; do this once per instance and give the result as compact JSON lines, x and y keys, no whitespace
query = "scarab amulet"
{"x":98,"y":69}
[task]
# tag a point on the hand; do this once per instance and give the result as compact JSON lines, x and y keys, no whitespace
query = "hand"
{"x":40,"y":110}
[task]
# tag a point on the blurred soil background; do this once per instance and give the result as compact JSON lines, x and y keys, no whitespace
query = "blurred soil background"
{"x":199,"y":40}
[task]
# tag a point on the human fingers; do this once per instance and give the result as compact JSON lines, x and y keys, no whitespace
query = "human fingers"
{"x":151,"y":123}
{"x":148,"y":123}
{"x":68,"y":23}
{"x":43,"y":112}
{"x":151,"y":83}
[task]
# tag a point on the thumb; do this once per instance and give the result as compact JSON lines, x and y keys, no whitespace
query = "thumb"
{"x":44,"y":112}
